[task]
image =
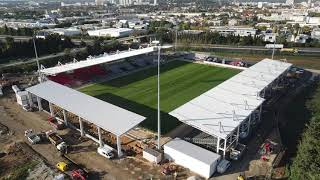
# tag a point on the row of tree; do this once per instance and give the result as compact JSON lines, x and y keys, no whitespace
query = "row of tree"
{"x":16,"y":32}
{"x":11,"y":49}
{"x":306,"y":164}
{"x":209,"y":37}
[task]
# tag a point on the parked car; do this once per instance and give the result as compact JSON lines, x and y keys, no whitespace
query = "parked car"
{"x":223,"y":166}
{"x":105,"y":152}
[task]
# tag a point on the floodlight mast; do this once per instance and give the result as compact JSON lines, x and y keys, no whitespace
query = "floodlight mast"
{"x":157,"y":43}
{"x":37,"y":59}
{"x":36,"y":53}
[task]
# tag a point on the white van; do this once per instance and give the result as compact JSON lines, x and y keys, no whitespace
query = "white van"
{"x":106,"y":152}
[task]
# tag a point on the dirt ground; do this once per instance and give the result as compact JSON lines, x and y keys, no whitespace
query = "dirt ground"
{"x":14,"y":121}
{"x":84,"y":150}
{"x":18,"y":159}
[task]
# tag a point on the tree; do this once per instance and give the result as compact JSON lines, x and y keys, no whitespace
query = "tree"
{"x":9,"y":42}
{"x":306,"y":163}
{"x":296,"y":28}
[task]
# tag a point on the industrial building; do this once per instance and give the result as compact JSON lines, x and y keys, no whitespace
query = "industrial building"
{"x":236,"y":31}
{"x":111,"y":32}
{"x":65,"y":32}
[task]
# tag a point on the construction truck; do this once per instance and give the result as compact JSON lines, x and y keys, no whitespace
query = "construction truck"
{"x":72,"y":170}
{"x":292,"y":50}
{"x":32,"y":137}
{"x":58,"y":142}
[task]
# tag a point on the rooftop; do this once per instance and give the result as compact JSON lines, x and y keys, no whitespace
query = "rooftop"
{"x":222,"y":109}
{"x":103,"y":114}
{"x":192,"y":150}
{"x":95,"y":61}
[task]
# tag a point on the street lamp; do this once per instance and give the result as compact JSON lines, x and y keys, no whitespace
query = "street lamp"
{"x":157,"y":43}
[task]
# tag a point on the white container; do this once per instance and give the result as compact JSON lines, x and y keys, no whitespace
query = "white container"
{"x":1,"y":92}
{"x":152,"y":155}
{"x":15,"y":88}
{"x":197,"y":159}
{"x":22,"y":98}
{"x":223,"y":166}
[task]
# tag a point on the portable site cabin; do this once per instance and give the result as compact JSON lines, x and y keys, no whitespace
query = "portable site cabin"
{"x":15,"y":88}
{"x":23,"y":98}
{"x":152,"y":155}
{"x":197,"y":159}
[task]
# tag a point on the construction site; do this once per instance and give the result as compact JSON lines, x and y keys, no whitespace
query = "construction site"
{"x":147,"y":113}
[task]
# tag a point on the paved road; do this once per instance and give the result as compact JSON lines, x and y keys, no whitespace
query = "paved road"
{"x":255,"y":48}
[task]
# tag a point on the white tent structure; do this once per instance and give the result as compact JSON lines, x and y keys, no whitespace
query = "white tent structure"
{"x":104,"y":115}
{"x":221,"y":111}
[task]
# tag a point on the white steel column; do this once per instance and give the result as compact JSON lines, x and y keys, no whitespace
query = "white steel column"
{"x":159,"y":128}
{"x":119,"y":146}
{"x":225,"y":147}
{"x":249,"y":124}
{"x":260,"y":112}
{"x":30,"y":100}
{"x":65,"y":117}
{"x":51,"y":109}
{"x":238,"y":130}
{"x":81,"y":126}
{"x":39,"y":103}
{"x":100,"y":137}
{"x":218,"y":145}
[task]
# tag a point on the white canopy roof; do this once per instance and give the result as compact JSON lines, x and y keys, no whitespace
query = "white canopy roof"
{"x":221,"y":110}
{"x":95,"y":61}
{"x":105,"y":115}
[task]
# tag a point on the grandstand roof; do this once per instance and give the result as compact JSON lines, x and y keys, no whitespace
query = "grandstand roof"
{"x":222,"y":109}
{"x":95,"y":61}
{"x":105,"y":115}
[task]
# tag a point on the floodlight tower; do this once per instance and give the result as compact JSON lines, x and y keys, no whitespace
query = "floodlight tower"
{"x":37,"y":59}
{"x":157,"y":43}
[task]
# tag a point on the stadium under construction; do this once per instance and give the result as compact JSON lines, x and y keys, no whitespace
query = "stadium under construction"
{"x":220,"y":116}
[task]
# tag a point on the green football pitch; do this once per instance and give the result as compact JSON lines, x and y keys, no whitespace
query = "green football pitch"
{"x":179,"y":82}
